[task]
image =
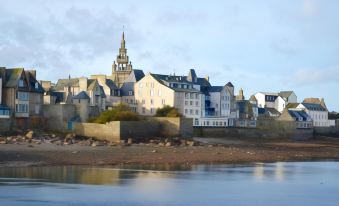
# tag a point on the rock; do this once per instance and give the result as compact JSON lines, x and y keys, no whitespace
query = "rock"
{"x":75,"y":152}
{"x":129,"y":141}
{"x":94,"y":144}
{"x":29,"y":135}
{"x":3,"y":142}
{"x":154,"y":151}
{"x":70,"y":136}
{"x":168,"y":144}
{"x":53,"y":136}
{"x":191,"y":143}
{"x":161,"y":144}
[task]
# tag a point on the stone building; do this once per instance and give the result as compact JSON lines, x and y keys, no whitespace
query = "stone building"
{"x":122,"y":67}
{"x":22,"y":94}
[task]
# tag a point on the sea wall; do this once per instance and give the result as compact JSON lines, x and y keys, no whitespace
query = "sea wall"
{"x":57,"y":116}
{"x":265,"y":129}
{"x":326,"y":131}
{"x":122,"y":130}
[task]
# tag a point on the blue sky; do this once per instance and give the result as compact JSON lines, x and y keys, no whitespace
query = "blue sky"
{"x":258,"y":45}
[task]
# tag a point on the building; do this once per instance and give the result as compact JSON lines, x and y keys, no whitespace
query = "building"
{"x":65,"y":89}
{"x":127,"y":89}
{"x":300,"y":117}
{"x":192,"y":96}
{"x":317,"y":112}
{"x":4,"y":110}
{"x":122,"y":67}
{"x":111,"y":90}
{"x":276,"y":101}
{"x":22,"y":93}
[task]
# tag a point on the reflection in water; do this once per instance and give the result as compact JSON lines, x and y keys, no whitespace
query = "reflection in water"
{"x":258,"y":184}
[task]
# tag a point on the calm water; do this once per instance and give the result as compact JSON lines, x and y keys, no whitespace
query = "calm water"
{"x":300,"y":183}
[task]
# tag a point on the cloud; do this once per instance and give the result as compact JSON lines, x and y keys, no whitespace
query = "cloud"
{"x":307,"y":77}
{"x":309,"y":8}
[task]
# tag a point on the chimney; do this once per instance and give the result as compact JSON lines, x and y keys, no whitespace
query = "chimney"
{"x":83,"y":83}
{"x":207,"y":78}
{"x":32,"y":72}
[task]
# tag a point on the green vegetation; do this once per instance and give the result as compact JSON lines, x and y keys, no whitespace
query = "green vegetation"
{"x":120,"y":112}
{"x":167,"y":111}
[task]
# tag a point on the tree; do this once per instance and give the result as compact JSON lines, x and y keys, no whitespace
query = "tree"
{"x":167,"y":111}
{"x":121,"y":112}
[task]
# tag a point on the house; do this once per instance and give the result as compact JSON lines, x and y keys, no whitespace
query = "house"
{"x":111,"y":90}
{"x":278,"y":101}
{"x":127,"y":89}
{"x":194,"y":97}
{"x":22,"y":93}
{"x":246,"y":115}
{"x":65,"y":89}
{"x":300,"y":117}
{"x":4,"y":110}
{"x":317,"y":112}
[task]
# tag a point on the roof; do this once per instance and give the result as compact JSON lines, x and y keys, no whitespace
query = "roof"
{"x":296,"y":114}
{"x":177,"y":79}
{"x":314,"y":107}
{"x":126,"y":87}
{"x":62,"y":83}
{"x":273,"y":111}
{"x":229,"y":84}
{"x":285,"y":94}
{"x":91,"y":84}
{"x":81,"y":95}
{"x":135,"y":75}
{"x":252,"y":98}
{"x":34,"y":85}
{"x":111,"y":84}
{"x":215,"y":88}
{"x":13,"y":76}
{"x":292,"y":105}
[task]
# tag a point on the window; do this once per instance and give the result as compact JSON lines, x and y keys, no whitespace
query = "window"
{"x":191,"y":111}
{"x":163,"y":102}
{"x":196,"y":103}
{"x":186,"y":95}
{"x":152,"y":101}
{"x":159,"y":93}
{"x":143,"y":110}
{"x":152,"y":93}
{"x":186,"y":111}
{"x":130,"y":93}
{"x":4,"y":112}
{"x":152,"y":84}
{"x":191,"y":103}
{"x":196,"y":122}
{"x":196,"y":112}
{"x":22,"y":96}
{"x":191,"y":95}
{"x":197,"y":96}
{"x":21,"y":83}
{"x":186,"y":103}
{"x":152,"y":110}
{"x":21,"y":108}
{"x":36,"y":85}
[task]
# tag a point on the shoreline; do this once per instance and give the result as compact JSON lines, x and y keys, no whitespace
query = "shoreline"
{"x":212,"y":151}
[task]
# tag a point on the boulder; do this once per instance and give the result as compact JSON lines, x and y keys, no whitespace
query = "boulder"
{"x":168,"y":144}
{"x":29,"y":135}
{"x":129,"y":141}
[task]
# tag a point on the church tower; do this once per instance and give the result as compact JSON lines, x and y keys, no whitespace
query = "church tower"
{"x":122,"y":67}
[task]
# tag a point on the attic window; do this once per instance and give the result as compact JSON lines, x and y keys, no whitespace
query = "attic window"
{"x":21,"y":83}
{"x":36,"y":85}
{"x":130,"y":92}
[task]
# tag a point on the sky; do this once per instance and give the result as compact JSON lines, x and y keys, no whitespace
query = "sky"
{"x":261,"y":45}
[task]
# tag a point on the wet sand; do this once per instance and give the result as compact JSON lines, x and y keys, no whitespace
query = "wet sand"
{"x":213,"y":150}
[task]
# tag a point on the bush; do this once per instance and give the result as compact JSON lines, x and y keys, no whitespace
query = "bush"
{"x":119,"y":113}
{"x":167,"y":111}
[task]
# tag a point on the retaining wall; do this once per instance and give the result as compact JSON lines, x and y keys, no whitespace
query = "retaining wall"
{"x":326,"y":131}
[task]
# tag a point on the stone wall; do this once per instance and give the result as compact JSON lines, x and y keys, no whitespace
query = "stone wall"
{"x":175,"y":127}
{"x":5,"y":125}
{"x":122,"y":130}
{"x":57,"y":116}
{"x":265,"y":129}
{"x":326,"y":131}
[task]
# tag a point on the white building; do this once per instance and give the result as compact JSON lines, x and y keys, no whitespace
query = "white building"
{"x":192,"y":96}
{"x":317,"y":112}
{"x":277,"y":101}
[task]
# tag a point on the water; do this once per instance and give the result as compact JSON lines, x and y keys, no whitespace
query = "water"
{"x":292,"y":183}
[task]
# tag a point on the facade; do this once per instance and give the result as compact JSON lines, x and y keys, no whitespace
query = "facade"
{"x":22,"y":93}
{"x":277,"y":101}
{"x":65,"y":89}
{"x":317,"y":112}
{"x":4,"y":110}
{"x":122,"y":67}
{"x":192,"y":96}
{"x":111,"y":90}
{"x":300,"y":117}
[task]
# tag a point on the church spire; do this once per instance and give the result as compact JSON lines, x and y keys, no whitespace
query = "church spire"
{"x":123,"y":43}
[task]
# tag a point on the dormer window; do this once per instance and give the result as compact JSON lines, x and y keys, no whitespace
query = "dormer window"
{"x":36,"y":85}
{"x":21,"y":83}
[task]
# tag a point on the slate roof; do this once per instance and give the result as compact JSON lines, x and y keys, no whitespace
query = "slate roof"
{"x":62,"y":83}
{"x":81,"y":95}
{"x":32,"y":82}
{"x":126,"y":87}
{"x":215,"y":88}
{"x":110,"y":83}
{"x":273,"y":111}
{"x":135,"y":75}
{"x":296,"y":114}
{"x":229,"y":84}
{"x":314,"y":107}
{"x":13,"y":76}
